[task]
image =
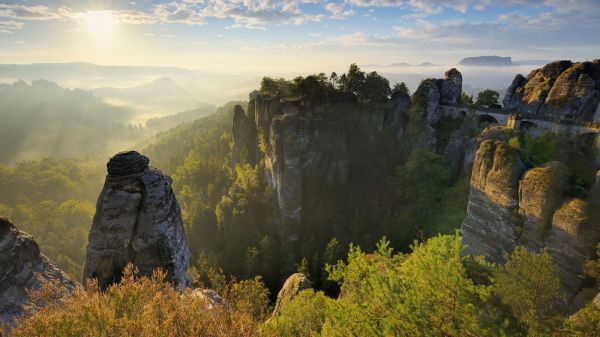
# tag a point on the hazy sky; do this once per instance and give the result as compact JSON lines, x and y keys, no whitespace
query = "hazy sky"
{"x":306,"y":35}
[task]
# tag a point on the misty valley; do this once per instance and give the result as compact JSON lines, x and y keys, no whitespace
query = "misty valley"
{"x":299,"y":168}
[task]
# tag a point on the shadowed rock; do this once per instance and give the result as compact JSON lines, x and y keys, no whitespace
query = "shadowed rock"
{"x":137,"y":221}
{"x":23,"y":269}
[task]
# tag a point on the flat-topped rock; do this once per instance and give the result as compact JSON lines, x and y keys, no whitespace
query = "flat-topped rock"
{"x":126,"y":163}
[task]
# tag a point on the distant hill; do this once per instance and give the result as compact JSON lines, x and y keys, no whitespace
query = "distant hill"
{"x":153,"y":99}
{"x":45,"y":120}
{"x":94,"y":75}
{"x":168,"y":122}
{"x":487,"y":61}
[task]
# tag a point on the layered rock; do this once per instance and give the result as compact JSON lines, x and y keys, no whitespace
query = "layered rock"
{"x":561,"y":90}
{"x":509,"y":206}
{"x":488,"y":228}
{"x":244,"y":138}
{"x":23,"y":269}
{"x":137,"y":221}
{"x":303,"y":144}
{"x":291,"y":288}
{"x":441,"y":91}
{"x":514,"y":95}
{"x":455,"y":152}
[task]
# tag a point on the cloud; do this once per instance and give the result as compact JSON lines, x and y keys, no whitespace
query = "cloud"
{"x":24,"y":12}
{"x":338,"y":11}
{"x":7,"y":27}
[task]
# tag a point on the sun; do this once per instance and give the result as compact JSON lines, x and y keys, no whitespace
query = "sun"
{"x":100,"y":24}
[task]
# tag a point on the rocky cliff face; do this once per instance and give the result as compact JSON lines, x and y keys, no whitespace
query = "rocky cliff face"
{"x":297,"y":141}
{"x":536,"y":208}
{"x":445,"y":90}
{"x":23,"y":269}
{"x":138,"y":221}
{"x":561,"y":90}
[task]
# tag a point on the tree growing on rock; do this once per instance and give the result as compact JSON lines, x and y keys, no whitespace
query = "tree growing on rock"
{"x":488,"y":98}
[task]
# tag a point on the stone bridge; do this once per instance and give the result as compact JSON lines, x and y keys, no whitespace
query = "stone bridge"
{"x":531,"y":124}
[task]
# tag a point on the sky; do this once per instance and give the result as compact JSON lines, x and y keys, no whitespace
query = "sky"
{"x":304,"y":35}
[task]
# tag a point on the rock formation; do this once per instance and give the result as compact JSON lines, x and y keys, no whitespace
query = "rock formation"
{"x":441,"y":91}
{"x":23,"y":269}
{"x":303,"y":144}
{"x":137,"y":221}
{"x":561,"y":90}
{"x":244,"y":138}
{"x":536,"y":208}
{"x":299,"y":142}
{"x":291,"y":288}
{"x":487,"y":61}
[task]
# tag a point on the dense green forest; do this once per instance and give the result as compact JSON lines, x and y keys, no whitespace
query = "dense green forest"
{"x":229,"y":213}
{"x":416,"y":282}
{"x":45,"y":120}
{"x":42,"y":119}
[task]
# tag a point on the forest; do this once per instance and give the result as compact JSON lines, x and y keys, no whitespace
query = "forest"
{"x":382,"y":251}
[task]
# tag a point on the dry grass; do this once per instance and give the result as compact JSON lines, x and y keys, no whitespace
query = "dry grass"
{"x":149,"y":307}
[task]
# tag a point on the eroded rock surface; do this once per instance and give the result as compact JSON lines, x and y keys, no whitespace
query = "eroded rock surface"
{"x":23,"y":269}
{"x":137,"y":221}
{"x":509,"y":206}
{"x":560,"y":90}
{"x":291,"y":288}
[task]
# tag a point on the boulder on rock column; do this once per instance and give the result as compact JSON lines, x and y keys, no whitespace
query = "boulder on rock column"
{"x":23,"y":269}
{"x":291,"y":288}
{"x":137,"y":221}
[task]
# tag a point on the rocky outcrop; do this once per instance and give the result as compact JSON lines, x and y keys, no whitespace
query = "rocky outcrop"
{"x":244,"y":138}
{"x":451,"y":87}
{"x":513,"y":95}
{"x":291,"y":288}
{"x":488,"y":228}
{"x":137,"y":221}
{"x":509,"y":206}
{"x":455,"y":152}
{"x":398,"y":118}
{"x":23,"y":269}
{"x":432,"y":92}
{"x":541,"y":191}
{"x":561,"y":90}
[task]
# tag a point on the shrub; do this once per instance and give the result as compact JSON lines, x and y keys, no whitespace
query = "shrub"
{"x":145,"y":307}
{"x":302,"y":317}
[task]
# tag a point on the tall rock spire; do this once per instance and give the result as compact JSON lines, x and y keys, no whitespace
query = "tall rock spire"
{"x":137,"y":221}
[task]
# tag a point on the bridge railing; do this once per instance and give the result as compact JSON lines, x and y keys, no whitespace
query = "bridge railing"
{"x":592,"y":125}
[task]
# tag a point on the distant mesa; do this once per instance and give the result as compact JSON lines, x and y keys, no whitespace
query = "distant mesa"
{"x":487,"y":61}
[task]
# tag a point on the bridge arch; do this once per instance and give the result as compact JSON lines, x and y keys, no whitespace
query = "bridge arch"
{"x":487,"y":119}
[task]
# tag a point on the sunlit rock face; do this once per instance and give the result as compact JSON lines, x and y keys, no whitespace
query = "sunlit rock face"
{"x":23,"y":269}
{"x":137,"y":221}
{"x":561,"y":90}
{"x":291,"y":288}
{"x":488,"y":229}
{"x":510,"y":206}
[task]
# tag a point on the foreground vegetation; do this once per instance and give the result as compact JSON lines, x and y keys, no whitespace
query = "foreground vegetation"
{"x":433,"y":291}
